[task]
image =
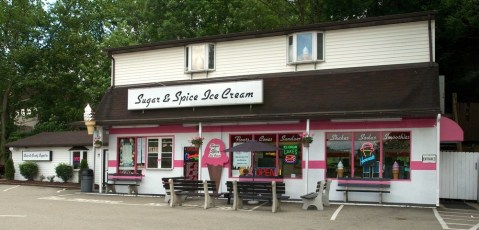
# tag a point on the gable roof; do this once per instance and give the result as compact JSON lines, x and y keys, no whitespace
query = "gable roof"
{"x":56,"y":139}
{"x":407,"y":91}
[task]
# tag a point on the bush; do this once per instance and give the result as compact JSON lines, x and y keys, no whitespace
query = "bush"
{"x":29,"y":170}
{"x":9,"y":169}
{"x":64,"y":171}
{"x":51,"y":178}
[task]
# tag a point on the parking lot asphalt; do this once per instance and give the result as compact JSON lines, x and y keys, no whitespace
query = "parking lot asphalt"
{"x":31,"y":207}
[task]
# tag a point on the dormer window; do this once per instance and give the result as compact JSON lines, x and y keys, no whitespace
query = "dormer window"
{"x":305,"y":47}
{"x":200,"y":57}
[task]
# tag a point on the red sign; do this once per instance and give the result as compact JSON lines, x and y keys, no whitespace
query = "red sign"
{"x":264,"y":171}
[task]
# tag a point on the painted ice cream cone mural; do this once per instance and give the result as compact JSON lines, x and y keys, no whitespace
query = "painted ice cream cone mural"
{"x":395,"y":170}
{"x":340,"y":169}
{"x":215,"y":158}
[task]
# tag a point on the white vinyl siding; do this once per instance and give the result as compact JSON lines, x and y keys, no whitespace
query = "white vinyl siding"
{"x":356,"y":47}
{"x":380,"y":45}
{"x":150,"y":66}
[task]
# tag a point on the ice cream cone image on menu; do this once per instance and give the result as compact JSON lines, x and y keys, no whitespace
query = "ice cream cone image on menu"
{"x":395,"y":170}
{"x":340,"y":169}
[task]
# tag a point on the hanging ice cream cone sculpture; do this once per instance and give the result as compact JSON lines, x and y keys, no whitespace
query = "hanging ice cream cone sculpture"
{"x":395,"y":170}
{"x":89,"y":118}
{"x":340,"y":169}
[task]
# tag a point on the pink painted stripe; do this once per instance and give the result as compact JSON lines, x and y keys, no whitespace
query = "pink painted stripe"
{"x":418,"y":165}
{"x":123,"y":177}
{"x":112,"y":163}
{"x":159,"y":129}
{"x":256,"y":128}
{"x":261,"y":179}
{"x":362,"y":182}
{"x":317,"y":164}
{"x":178,"y":163}
{"x":405,"y":123}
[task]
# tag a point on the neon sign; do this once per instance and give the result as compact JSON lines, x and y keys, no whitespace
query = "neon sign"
{"x":264,"y":171}
{"x":290,"y":153}
{"x":367,"y":157}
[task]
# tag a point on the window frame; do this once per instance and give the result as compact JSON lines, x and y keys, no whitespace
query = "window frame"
{"x":83,"y":155}
{"x":208,"y":65}
{"x":160,"y":154}
{"x":292,"y":49}
{"x":281,"y":169}
{"x":383,"y":170}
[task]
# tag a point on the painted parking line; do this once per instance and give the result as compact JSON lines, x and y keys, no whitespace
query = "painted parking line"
{"x":11,"y":188}
{"x":457,"y":218}
{"x":15,"y":216}
{"x":439,"y":219}
{"x":335,"y":214}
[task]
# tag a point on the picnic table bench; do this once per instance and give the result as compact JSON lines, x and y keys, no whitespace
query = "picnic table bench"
{"x":119,"y":179}
{"x":319,"y":198}
{"x":373,"y":185}
{"x":181,"y":189}
{"x":268,"y":191}
{"x":166,"y":185}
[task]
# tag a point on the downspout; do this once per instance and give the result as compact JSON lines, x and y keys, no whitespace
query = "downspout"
{"x":306,"y":169}
{"x":112,"y":70}
{"x":438,"y":158}
{"x":200,"y":152}
{"x":429,"y":27}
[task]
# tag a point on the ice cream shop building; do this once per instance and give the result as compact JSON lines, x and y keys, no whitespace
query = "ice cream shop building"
{"x":366,"y":92}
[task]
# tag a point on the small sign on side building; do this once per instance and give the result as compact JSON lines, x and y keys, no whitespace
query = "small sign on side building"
{"x":37,"y":155}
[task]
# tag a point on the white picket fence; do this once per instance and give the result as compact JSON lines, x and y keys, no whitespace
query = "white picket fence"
{"x":458,"y":175}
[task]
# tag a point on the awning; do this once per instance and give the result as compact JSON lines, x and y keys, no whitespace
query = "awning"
{"x":451,"y":131}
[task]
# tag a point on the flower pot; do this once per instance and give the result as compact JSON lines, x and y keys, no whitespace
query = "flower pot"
{"x":197,"y":145}
{"x":306,"y":144}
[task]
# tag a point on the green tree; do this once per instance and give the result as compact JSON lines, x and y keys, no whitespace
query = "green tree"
{"x":22,"y":28}
{"x":9,"y":169}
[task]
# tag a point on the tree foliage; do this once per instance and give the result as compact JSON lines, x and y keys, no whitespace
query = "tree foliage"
{"x":52,"y":59}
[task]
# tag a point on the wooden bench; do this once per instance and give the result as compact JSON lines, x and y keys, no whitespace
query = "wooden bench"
{"x":373,"y":185}
{"x":268,"y":191}
{"x":117,"y":179}
{"x":181,"y":189}
{"x":166,"y":185}
{"x":319,"y":198}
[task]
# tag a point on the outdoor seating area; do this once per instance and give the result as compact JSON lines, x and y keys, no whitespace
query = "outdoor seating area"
{"x":371,"y":185}
{"x":117,"y":179}
{"x":180,"y":189}
{"x":318,"y":199}
{"x":269,"y":191}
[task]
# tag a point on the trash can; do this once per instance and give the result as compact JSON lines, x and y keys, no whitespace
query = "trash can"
{"x":87,"y":180}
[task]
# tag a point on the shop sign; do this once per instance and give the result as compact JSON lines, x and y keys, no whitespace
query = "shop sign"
{"x":429,"y":158}
{"x":290,"y":153}
{"x":265,"y":171}
{"x":367,"y":154}
{"x":196,"y":95}
{"x":191,"y":153}
{"x":37,"y":155}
